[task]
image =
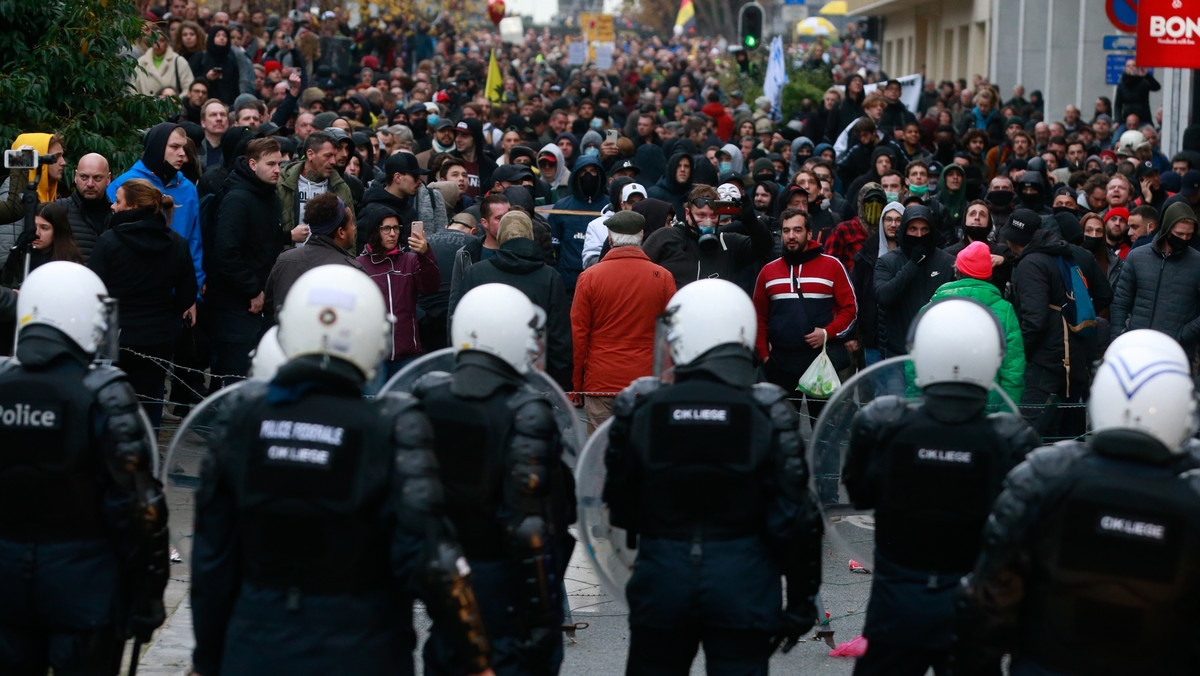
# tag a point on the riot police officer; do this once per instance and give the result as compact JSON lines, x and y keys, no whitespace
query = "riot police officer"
{"x":319,"y":513}
{"x":709,"y":474}
{"x":930,"y":470}
{"x":1089,"y":556}
{"x":83,"y":524}
{"x":508,"y":492}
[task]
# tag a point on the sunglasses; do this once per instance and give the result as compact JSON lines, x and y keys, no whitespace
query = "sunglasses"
{"x":702,"y":202}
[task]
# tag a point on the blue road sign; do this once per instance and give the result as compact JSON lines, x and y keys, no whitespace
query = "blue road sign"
{"x":1114,"y":66}
{"x":1119,"y":42}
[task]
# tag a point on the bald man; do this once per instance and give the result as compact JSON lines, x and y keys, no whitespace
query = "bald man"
{"x":88,"y":207}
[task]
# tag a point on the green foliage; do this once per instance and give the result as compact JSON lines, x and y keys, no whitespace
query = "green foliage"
{"x":802,"y":83}
{"x":64,"y":68}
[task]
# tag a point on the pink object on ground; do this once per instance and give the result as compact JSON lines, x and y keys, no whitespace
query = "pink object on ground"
{"x":856,"y":567}
{"x":855,"y":648}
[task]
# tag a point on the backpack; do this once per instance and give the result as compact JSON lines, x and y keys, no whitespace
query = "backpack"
{"x":1078,"y":311}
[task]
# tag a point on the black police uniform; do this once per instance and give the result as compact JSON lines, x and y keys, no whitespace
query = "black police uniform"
{"x":83,"y":524}
{"x":1089,"y":562}
{"x":510,"y":498}
{"x":710,"y":473}
{"x":317,"y":523}
{"x":930,"y":471}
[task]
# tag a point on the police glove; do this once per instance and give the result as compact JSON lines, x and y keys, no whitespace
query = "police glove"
{"x":148,"y":616}
{"x":796,"y":624}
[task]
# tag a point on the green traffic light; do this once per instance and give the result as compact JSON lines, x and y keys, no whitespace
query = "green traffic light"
{"x":750,"y":41}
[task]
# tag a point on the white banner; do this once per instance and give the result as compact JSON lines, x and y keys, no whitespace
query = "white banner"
{"x":910,"y":92}
{"x":776,"y":78}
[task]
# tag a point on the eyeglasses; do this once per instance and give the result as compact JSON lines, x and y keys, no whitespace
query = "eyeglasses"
{"x":389,"y":228}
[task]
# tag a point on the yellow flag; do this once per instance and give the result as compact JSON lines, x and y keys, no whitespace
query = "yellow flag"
{"x":495,"y":82}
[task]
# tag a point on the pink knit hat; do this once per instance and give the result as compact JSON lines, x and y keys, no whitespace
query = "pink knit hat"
{"x":975,"y":261}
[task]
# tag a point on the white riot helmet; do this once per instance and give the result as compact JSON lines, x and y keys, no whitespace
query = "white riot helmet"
{"x":267,"y":357}
{"x":1130,"y":143}
{"x":1155,"y":341}
{"x":336,"y":310}
{"x":705,"y":314}
{"x":1140,"y":389}
{"x":956,"y":340}
{"x":70,"y":298}
{"x":500,"y":320}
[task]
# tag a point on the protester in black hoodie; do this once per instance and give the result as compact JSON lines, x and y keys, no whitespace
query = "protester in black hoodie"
{"x":218,"y":66}
{"x":518,"y":263}
{"x":675,"y":183}
{"x":907,"y":277}
{"x":147,"y":267}
{"x":246,"y":240}
{"x":233,"y":146}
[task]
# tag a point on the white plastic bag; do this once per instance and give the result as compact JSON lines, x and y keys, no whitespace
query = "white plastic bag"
{"x":821,"y":379}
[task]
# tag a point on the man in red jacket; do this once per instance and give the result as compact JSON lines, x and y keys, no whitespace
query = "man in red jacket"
{"x":612,"y":318}
{"x":722,"y":120}
{"x":803,"y":299}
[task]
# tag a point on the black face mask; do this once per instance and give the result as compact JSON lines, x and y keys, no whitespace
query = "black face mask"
{"x":1063,"y":210}
{"x":909,"y":243}
{"x":1093,"y":243}
{"x":1032,"y":201}
{"x":1177,"y":243}
{"x":1001,"y":199}
{"x":589,"y":183}
{"x":977,"y":233}
{"x":418,"y":127}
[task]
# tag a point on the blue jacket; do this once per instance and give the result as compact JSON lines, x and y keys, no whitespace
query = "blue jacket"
{"x":186,"y":218}
{"x":569,"y":231}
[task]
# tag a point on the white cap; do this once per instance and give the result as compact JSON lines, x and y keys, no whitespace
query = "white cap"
{"x":632,"y":189}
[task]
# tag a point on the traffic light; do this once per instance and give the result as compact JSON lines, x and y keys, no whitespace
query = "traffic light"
{"x":750,"y":25}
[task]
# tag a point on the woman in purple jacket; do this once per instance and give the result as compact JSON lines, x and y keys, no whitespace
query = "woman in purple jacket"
{"x":400,"y":273}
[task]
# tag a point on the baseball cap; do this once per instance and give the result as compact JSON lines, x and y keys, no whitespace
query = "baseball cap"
{"x":1146,"y":168}
{"x":442,"y":124}
{"x":403,"y":163}
{"x":417,"y":109}
{"x":512,"y":173}
{"x":1021,"y":226}
{"x":632,"y":189}
{"x":1191,"y":183}
{"x":626,"y":164}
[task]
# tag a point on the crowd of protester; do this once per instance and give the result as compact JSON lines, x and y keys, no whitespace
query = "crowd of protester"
{"x":301,"y":141}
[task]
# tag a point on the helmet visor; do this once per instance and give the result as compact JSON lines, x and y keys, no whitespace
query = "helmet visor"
{"x":109,"y":347}
{"x":537,"y":346}
{"x":664,"y":335}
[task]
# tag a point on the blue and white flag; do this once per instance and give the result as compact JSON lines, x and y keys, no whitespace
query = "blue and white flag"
{"x":776,"y":78}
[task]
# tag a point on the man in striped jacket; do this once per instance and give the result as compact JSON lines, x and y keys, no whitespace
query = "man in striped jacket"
{"x":802,"y":299}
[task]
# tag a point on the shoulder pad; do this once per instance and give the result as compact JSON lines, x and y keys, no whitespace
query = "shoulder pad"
{"x":767,"y":394}
{"x":886,"y":410}
{"x":8,"y":364}
{"x":430,"y":381}
{"x":1009,"y":425}
{"x":100,"y":377}
{"x":391,"y":403}
{"x":1056,"y":459}
{"x":627,"y":400}
{"x":532,"y":413}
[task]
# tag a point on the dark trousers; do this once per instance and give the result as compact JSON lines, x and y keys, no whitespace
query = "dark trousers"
{"x":231,"y":362}
{"x":433,"y":333}
{"x":233,"y":335}
{"x":886,"y":659}
{"x":727,"y":652}
{"x":193,"y":352}
{"x":30,"y":651}
{"x":146,"y":367}
{"x":1045,"y":389}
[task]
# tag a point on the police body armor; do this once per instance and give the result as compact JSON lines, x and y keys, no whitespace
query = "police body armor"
{"x":932,"y":485}
{"x":703,"y":449}
{"x":49,"y":490}
{"x":1114,"y":584}
{"x":311,"y":479}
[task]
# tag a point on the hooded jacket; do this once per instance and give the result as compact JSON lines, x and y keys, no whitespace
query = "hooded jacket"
{"x":737,"y":162}
{"x":668,"y":189}
{"x":1037,"y":284}
{"x":144,"y":264}
{"x":903,"y":286}
{"x":575,"y":149}
{"x":1161,"y":291}
{"x":570,"y":230}
{"x":652,"y":162}
{"x":244,"y":242}
{"x":230,"y":84}
{"x":486,"y":165}
{"x":518,"y":263}
{"x":233,"y":146}
{"x":185,"y":219}
{"x":561,"y":172}
{"x":1011,"y":376}
{"x":849,"y":236}
{"x":401,"y":275}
